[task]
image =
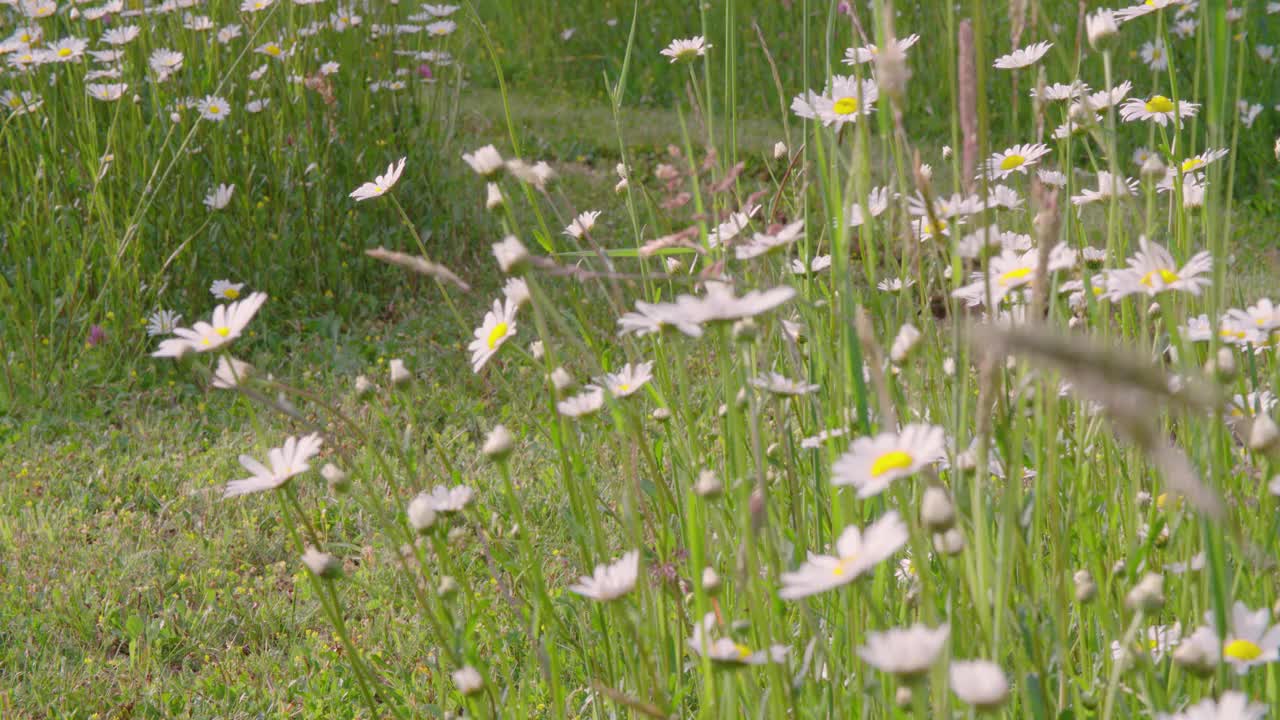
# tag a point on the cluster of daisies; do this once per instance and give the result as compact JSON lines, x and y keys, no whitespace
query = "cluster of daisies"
{"x":103,"y":35}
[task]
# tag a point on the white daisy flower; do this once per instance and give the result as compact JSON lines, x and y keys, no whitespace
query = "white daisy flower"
{"x":877,"y":202}
{"x":857,"y":552}
{"x":1160,"y":640}
{"x":67,"y":49}
{"x":226,"y":290}
{"x":162,"y":322}
{"x":906,"y":653}
{"x":1233,"y":705}
{"x":763,"y":243}
{"x":510,"y":253}
{"x":610,"y":582}
{"x":872,"y":463}
{"x":1108,"y":186}
{"x":484,"y":161}
{"x":227,"y":323}
{"x":1143,"y":8}
{"x":686,"y":50}
{"x":1154,"y":54}
{"x":381,"y":184}
{"x":445,"y":500}
{"x":587,"y":402}
{"x":1009,"y":271}
{"x":228,"y":33}
{"x":1023,"y":57}
{"x":1053,"y":178}
{"x":1015,"y":159}
{"x":628,"y":379}
{"x":230,"y":372}
{"x":219,"y":196}
{"x":860,"y":55}
{"x":980,"y":683}
{"x":1198,"y":162}
{"x":1251,"y":638}
{"x":108,"y":92}
{"x":214,"y":108}
{"x":582,"y":224}
{"x":1158,"y":109}
{"x":1152,"y":270}
{"x":846,"y":99}
{"x":779,"y":384}
{"x":120,"y":35}
{"x":285,"y":462}
{"x":164,"y":62}
{"x":733,"y":226}
{"x":499,"y":326}
{"x":468,"y":680}
{"x":253,"y":6}
{"x":724,"y":651}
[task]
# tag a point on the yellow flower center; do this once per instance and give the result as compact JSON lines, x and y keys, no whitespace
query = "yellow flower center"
{"x":64,"y":52}
{"x":1159,"y":104}
{"x":1166,"y":277}
{"x":624,"y":387}
{"x":275,"y":50}
{"x":1243,"y":650}
{"x":743,"y":650}
{"x":1162,"y":500}
{"x":892,"y":460}
{"x":1011,"y":162}
{"x":231,"y":293}
{"x":846,"y":106}
{"x":1006,"y":279}
{"x":498,"y":332}
{"x":1191,"y":164}
{"x":214,"y":110}
{"x":223,"y":331}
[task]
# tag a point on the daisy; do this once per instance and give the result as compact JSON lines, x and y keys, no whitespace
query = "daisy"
{"x":229,"y":33}
{"x":582,"y":224}
{"x":1003,"y":196}
{"x":164,"y":62}
{"x":219,"y":196}
{"x":587,"y":402}
{"x":720,"y":304}
{"x":441,"y":28}
{"x":1108,"y":186}
{"x":198,"y":23}
{"x":66,"y":50}
{"x":1233,"y":705}
{"x":1143,"y":8}
{"x":816,"y":265}
{"x":510,"y":253}
{"x":877,"y":202}
{"x":860,"y":55}
{"x":725,"y":651}
{"x":1160,"y":641}
{"x":109,"y":92}
{"x":905,"y":653}
{"x":253,"y":6}
{"x":848,"y":98}
{"x":227,"y":323}
{"x":610,"y":582}
{"x":38,"y":8}
{"x":226,"y":290}
{"x":1054,"y":178}
{"x":857,"y":552}
{"x":1251,"y":638}
{"x":468,"y":680}
{"x":628,"y":379}
{"x":778,"y":384}
{"x":253,"y":107}
{"x":686,"y":50}
{"x":1023,"y":57}
{"x":980,"y":683}
{"x":1153,"y":53}
{"x":1158,"y":109}
{"x":230,"y":372}
{"x":1015,"y":159}
{"x":214,"y":108}
{"x":285,"y":462}
{"x":271,"y":49}
{"x":1152,"y":270}
{"x":162,"y":322}
{"x":1198,"y":162}
{"x":484,"y":161}
{"x":381,"y":184}
{"x":499,"y":326}
{"x":733,"y":226}
{"x":872,"y":463}
{"x":1101,"y":26}
{"x":1060,"y":91}
{"x":762,"y":244}
{"x":1011,"y":270}
{"x":439,"y":10}
{"x":1185,"y":28}
{"x":516,"y":291}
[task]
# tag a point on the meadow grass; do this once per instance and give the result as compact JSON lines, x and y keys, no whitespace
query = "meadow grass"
{"x":829,"y":403}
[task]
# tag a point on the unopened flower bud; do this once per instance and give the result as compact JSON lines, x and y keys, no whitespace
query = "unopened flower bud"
{"x":708,"y":485}
{"x":493,"y":196}
{"x":673,"y":264}
{"x":1148,"y":595}
{"x":447,"y":587}
{"x":903,"y":697}
{"x":499,"y":443}
{"x":363,"y":386}
{"x":336,"y":477}
{"x":1086,"y":588}
{"x":936,"y":510}
{"x":950,"y":542}
{"x":1264,"y":434}
{"x":536,"y":349}
{"x":1102,"y":28}
{"x":907,"y":339}
{"x":779,"y":150}
{"x":745,"y":330}
{"x":561,"y":379}
{"x":1223,"y":365}
{"x":661,"y":414}
{"x":1195,"y":654}
{"x":511,"y":254}
{"x":468,"y":680}
{"x":710,"y":580}
{"x":1119,"y":568}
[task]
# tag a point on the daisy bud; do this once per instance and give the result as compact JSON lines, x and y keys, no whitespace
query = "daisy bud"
{"x":448,"y":586}
{"x":511,"y":254}
{"x":946,"y":152}
{"x":493,"y":196}
{"x":708,"y":485}
{"x":1153,"y":166}
{"x":399,"y":374}
{"x":779,"y":150}
{"x":499,"y":443}
{"x":673,"y":264}
{"x":1119,"y":568}
{"x":536,"y":349}
{"x":74,"y":14}
{"x":621,"y":186}
{"x":1148,"y":595}
{"x":1074,"y":322}
{"x":321,"y":564}
{"x":1154,"y":310}
{"x":421,"y":515}
{"x":1196,"y":654}
{"x":1263,"y":434}
{"x":336,"y":477}
{"x":907,"y":339}
{"x":468,"y":680}
{"x":740,"y":400}
{"x":1143,"y":498}
{"x":949,"y":367}
{"x":175,"y":118}
{"x":936,"y":511}
{"x":561,"y":379}
{"x":979,"y":683}
{"x":745,"y":330}
{"x":661,"y":414}
{"x":1102,"y":28}
{"x":926,"y":171}
{"x":903,"y":697}
{"x":1278,"y":148}
{"x":1222,"y":366}
{"x":363,"y":386}
{"x":1086,"y":588}
{"x":710,"y":580}
{"x":950,"y":542}
{"x":1089,"y":700}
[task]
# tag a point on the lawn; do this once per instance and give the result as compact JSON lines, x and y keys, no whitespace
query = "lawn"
{"x":787,"y":387}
